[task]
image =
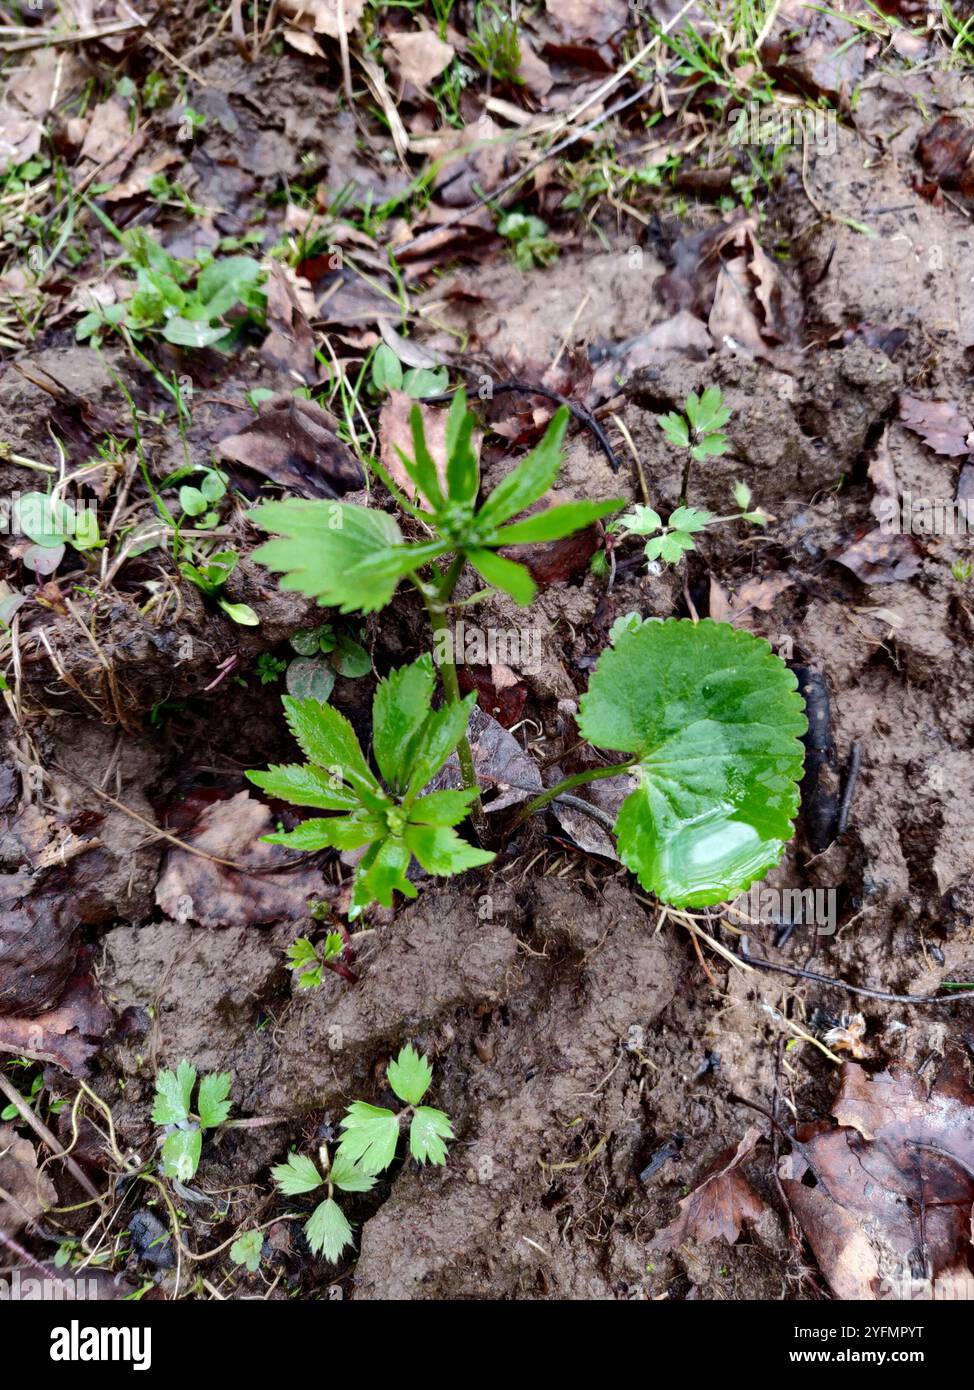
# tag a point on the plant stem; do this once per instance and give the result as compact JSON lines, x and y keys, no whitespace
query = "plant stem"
{"x":578,"y":779}
{"x":437,"y":601}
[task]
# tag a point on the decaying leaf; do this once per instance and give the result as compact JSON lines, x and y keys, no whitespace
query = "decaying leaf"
{"x":294,"y":442}
{"x":28,"y":1193}
{"x":596,"y":20}
{"x":395,"y":434}
{"x":814,"y":50}
{"x":68,"y":1035}
{"x":420,"y":56}
{"x":290,"y":343}
{"x":893,"y":1183}
{"x":324,"y":15}
{"x":191,"y":889}
{"x":722,"y":1203}
{"x":877,"y":558}
{"x":940,"y":424}
{"x":945,"y":149}
{"x":499,"y":761}
{"x":760,"y":592}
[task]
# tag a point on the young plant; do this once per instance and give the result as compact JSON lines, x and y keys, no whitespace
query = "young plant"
{"x":530,"y":243}
{"x":371,"y":1135}
{"x":323,"y":654}
{"x":388,"y":375}
{"x":327,"y":1229}
{"x":411,"y":743}
{"x":209,"y":576}
{"x":174,"y":1096}
{"x":309,"y":960}
{"x":699,"y":431}
{"x":52,"y":524}
{"x":711,"y":719}
{"x":670,"y":542}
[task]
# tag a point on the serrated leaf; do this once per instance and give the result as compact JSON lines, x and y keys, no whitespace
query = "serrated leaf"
{"x":714,"y":718}
{"x":174,"y":1094}
{"x":690,"y":519}
{"x":305,"y":785}
{"x":301,"y":953}
{"x":297,"y":1175}
{"x":506,"y":575}
{"x":382,"y":872}
{"x":711,"y":447}
{"x":410,"y":1075}
{"x":427,"y":1131}
{"x":555,"y":523}
{"x":328,"y":739}
{"x":742,"y":496}
{"x":332,"y":832}
{"x":328,"y":1231}
{"x":442,"y":808}
{"x":676,"y":429}
{"x":246,"y":1250}
{"x":370,"y":1136}
{"x":707,"y":413}
{"x":641,"y":521}
{"x":212,"y":1105}
{"x":181,"y":1154}
{"x":444,"y":729}
{"x":462,"y":466}
{"x":441,"y":850}
{"x":322,"y":543}
{"x":530,"y":479}
{"x":400,"y":709}
{"x":349,"y":1176}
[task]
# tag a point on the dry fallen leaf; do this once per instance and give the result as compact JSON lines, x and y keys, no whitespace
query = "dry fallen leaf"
{"x":20,"y":139}
{"x":597,"y":20}
{"x":945,"y":149}
{"x":816,"y":49}
{"x":877,"y":558}
{"x":940,"y":424}
{"x":896,"y":1177}
{"x":500,"y":762}
{"x":323,"y":15}
{"x":722,"y":1203}
{"x":290,"y":342}
{"x":191,"y":889}
{"x":759,"y":592}
{"x":68,"y":1035}
{"x":420,"y":56}
{"x":395,"y":434}
{"x":294,"y":442}
{"x":27,"y":1193}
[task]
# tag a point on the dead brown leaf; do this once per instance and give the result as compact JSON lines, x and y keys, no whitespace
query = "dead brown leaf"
{"x":68,"y":1035}
{"x":290,"y":343}
{"x":720,"y":1206}
{"x":894,"y":1178}
{"x":191,"y":889}
{"x":420,"y":56}
{"x":20,"y":139}
{"x":814,"y":51}
{"x":500,"y":762}
{"x":944,"y":149}
{"x":760,"y":592}
{"x":940,"y":424}
{"x":395,"y":433}
{"x":596,"y":20}
{"x":877,"y":558}
{"x":323,"y":15}
{"x":28,"y":1193}
{"x":294,"y":442}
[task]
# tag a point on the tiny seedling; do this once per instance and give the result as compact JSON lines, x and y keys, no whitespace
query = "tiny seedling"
{"x":209,"y":575}
{"x":309,"y":960}
{"x":323,"y":654}
{"x":493,"y":44}
{"x":51,"y":525}
{"x":246,"y":1250}
{"x":530,"y":243}
{"x":327,"y":1229}
{"x":183,"y":1144}
{"x":411,"y":742}
{"x":269,"y":668}
{"x":698,"y":431}
{"x":371,"y":1135}
{"x":669,"y":543}
{"x":388,"y":375}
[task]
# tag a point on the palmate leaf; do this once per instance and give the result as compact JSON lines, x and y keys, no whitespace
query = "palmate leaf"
{"x":327,"y":1230}
{"x":410,"y":1075}
{"x":181,"y":1153}
{"x":349,"y":1176}
{"x":370,"y":1137}
{"x":296,"y":1176}
{"x":320,"y":547}
{"x":213,"y":1106}
{"x":427,"y":1132}
{"x":174,"y":1095}
{"x":714,"y":718}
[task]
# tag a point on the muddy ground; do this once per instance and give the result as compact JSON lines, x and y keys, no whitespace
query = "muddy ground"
{"x":595,"y":1057}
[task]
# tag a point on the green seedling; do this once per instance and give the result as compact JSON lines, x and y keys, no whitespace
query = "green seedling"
{"x":327,"y":1230}
{"x":371,"y":1135}
{"x":962,"y":570}
{"x":51,"y":525}
{"x":411,"y":743}
{"x":388,"y":375}
{"x":186,"y":305}
{"x":210,"y":575}
{"x":309,"y":960}
{"x":246,"y":1250}
{"x":323,"y":654}
{"x":183,"y":1144}
{"x":269,"y":668}
{"x":493,"y":44}
{"x":530,"y":243}
{"x":669,"y":543}
{"x":699,"y":431}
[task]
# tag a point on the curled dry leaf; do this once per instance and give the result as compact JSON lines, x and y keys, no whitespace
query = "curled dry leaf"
{"x":499,"y":761}
{"x":880,"y":559}
{"x":191,"y":889}
{"x":940,"y":424}
{"x":720,"y":1205}
{"x":896,"y":1176}
{"x":760,"y":592}
{"x":27,"y":1192}
{"x":68,"y":1035}
{"x":290,"y":344}
{"x":323,"y":15}
{"x":420,"y":56}
{"x":295,"y":443}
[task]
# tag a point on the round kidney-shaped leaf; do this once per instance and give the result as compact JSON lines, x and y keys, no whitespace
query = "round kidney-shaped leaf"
{"x":713,"y":717}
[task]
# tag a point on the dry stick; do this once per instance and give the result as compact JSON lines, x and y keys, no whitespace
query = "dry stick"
{"x":820,"y":979}
{"x":45,"y":39}
{"x":42,"y":1131}
{"x":852,"y":777}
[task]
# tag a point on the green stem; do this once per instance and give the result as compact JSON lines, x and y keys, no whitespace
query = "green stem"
{"x":578,"y":779}
{"x":437,"y":600}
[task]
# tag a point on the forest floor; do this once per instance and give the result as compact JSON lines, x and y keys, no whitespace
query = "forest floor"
{"x":781,"y":208}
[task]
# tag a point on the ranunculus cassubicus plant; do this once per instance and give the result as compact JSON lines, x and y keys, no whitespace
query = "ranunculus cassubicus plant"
{"x":707,"y":717}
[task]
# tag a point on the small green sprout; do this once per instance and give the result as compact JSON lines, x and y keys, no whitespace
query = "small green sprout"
{"x":962,"y":570}
{"x":269,"y":668}
{"x":52,"y":524}
{"x":530,"y":243}
{"x":324,"y":653}
{"x":309,"y":960}
{"x":327,"y":1230}
{"x":210,"y":575}
{"x":388,"y":375}
{"x":699,"y":430}
{"x":183,"y":1144}
{"x":371,"y":1135}
{"x":676,"y":537}
{"x":246,"y":1250}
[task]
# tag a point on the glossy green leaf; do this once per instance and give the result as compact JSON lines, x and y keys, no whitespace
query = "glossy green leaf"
{"x":332,"y":832}
{"x":328,"y":739}
{"x":440,"y":850}
{"x":444,"y":729}
{"x":555,"y":523}
{"x":714,"y":718}
{"x":531,"y":478}
{"x":443,"y":808}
